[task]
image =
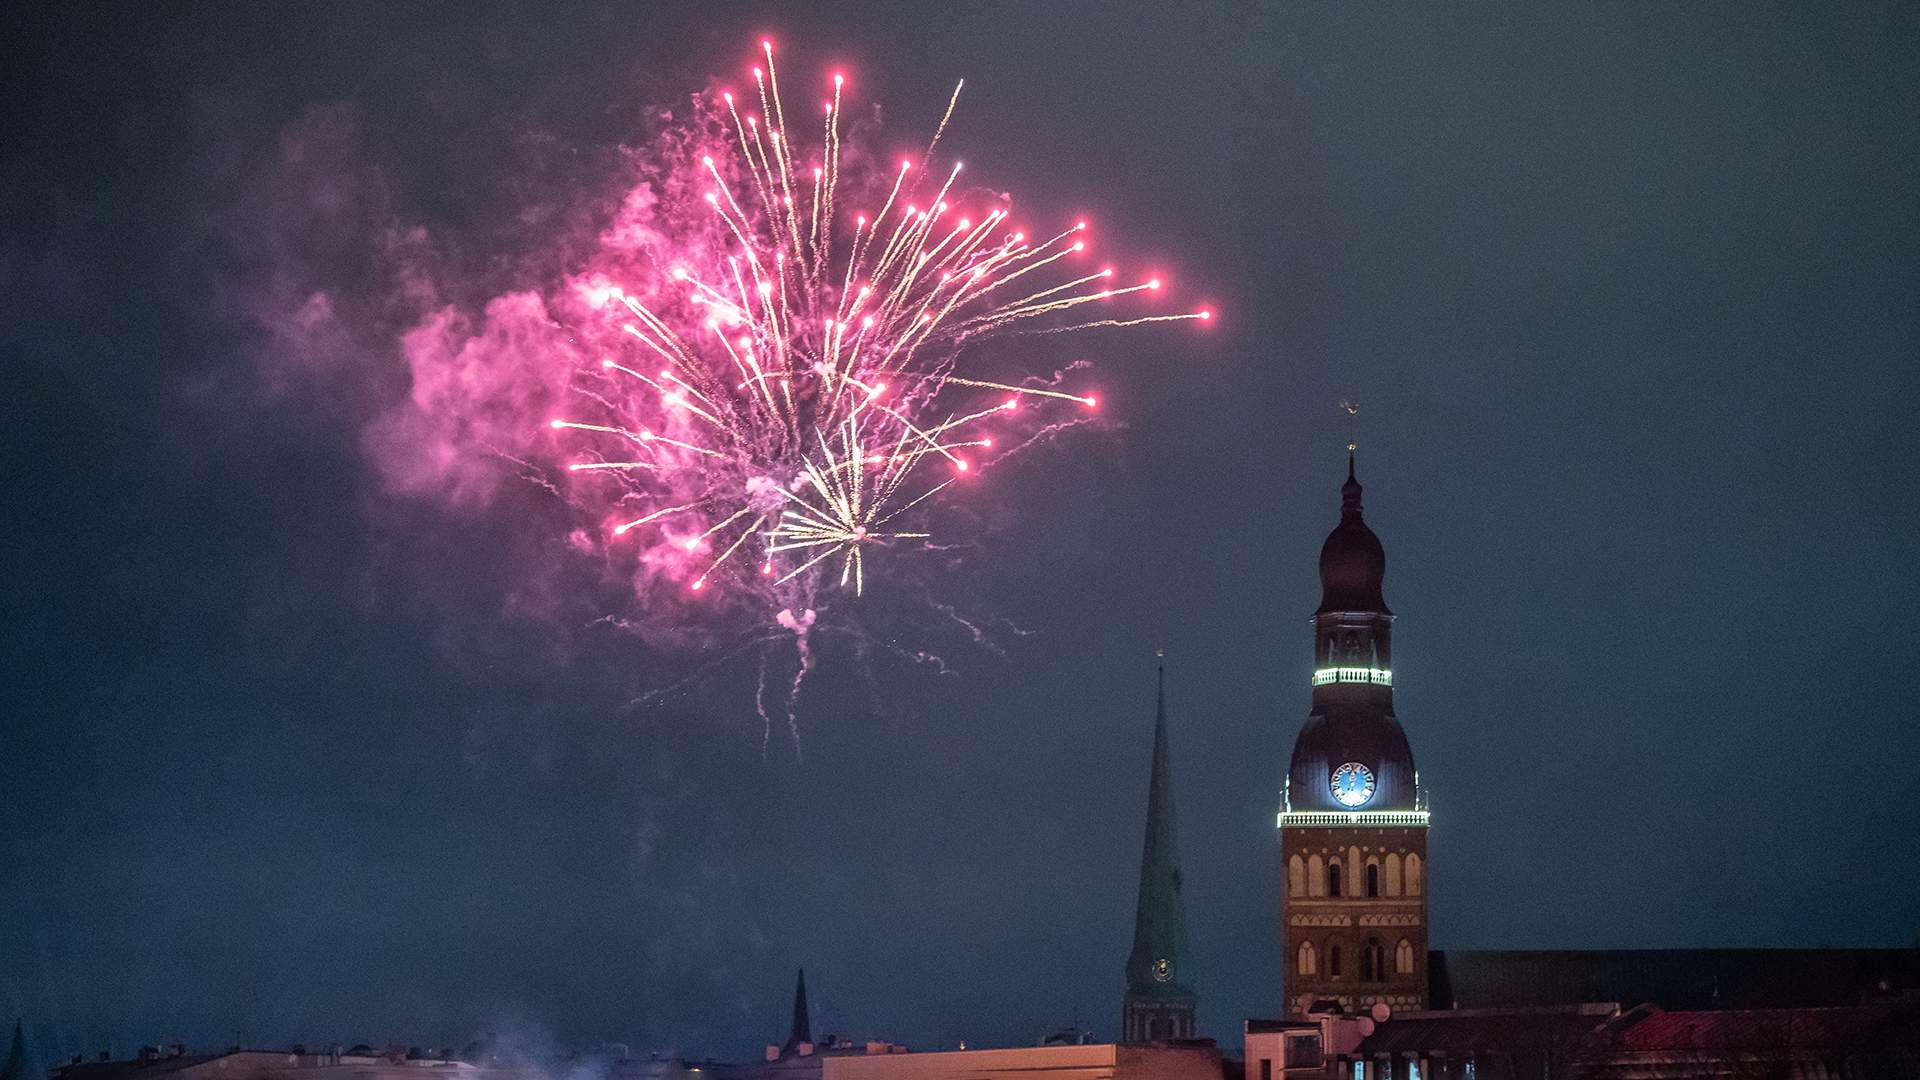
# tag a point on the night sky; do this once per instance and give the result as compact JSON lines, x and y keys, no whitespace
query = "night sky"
{"x":1630,"y":297}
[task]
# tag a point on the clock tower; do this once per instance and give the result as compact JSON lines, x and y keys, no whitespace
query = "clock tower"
{"x":1160,"y":999}
{"x":1353,"y":817}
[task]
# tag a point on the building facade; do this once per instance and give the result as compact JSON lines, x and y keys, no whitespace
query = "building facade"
{"x":1353,"y":817}
{"x":1102,"y":1061}
{"x":1160,"y":1002}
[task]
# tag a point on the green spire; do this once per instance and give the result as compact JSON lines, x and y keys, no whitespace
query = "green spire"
{"x":1158,"y":967}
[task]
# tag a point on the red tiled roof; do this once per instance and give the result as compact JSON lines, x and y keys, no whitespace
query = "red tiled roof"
{"x":1857,"y":1025}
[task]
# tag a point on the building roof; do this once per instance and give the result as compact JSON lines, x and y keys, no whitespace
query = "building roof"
{"x":1180,"y":1060}
{"x":134,"y":1069}
{"x":1670,"y":978}
{"x":1877,"y":1025}
{"x":1352,"y":561}
{"x":1256,"y":1026}
{"x":1160,"y":920}
{"x":155,"y":1066}
{"x":1364,"y":732}
{"x":1473,"y":1031}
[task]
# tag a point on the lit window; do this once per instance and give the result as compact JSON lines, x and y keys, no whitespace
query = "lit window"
{"x":1359,"y":1070}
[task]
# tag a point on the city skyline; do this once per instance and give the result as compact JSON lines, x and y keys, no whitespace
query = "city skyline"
{"x":1625,"y":299}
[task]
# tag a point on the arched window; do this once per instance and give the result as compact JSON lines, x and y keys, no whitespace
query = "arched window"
{"x":1373,"y":879}
{"x":1403,"y":957}
{"x":1413,"y":875}
{"x":1373,"y":961}
{"x":1316,"y":877}
{"x":1392,"y":865}
{"x":1353,"y":645}
{"x":1307,"y":962}
{"x":1333,"y":877}
{"x":1296,"y":877}
{"x":1333,"y":960}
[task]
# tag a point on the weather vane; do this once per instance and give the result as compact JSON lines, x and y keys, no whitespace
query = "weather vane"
{"x":1353,"y":410}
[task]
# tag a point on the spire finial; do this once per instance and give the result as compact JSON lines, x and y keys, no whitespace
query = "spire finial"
{"x":1160,"y":686}
{"x":1350,"y":491}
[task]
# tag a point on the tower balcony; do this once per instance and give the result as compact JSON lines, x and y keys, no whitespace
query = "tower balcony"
{"x":1362,"y":818}
{"x":1371,"y":676}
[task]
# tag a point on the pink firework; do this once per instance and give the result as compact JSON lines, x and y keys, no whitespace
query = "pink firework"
{"x":786,"y":392}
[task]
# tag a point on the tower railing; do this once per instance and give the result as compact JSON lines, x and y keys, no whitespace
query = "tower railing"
{"x":1375,"y":676}
{"x":1332,"y":818}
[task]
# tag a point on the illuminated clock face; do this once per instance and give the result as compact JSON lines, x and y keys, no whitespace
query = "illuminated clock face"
{"x":1352,"y":784}
{"x":1162,"y":969}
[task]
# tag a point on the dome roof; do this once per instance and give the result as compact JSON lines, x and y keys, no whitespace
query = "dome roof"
{"x":1352,"y":562}
{"x":1362,"y":734}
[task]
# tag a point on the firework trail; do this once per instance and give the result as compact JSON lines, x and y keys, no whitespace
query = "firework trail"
{"x":777,"y":396}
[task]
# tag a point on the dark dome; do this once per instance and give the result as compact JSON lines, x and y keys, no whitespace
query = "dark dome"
{"x":1332,"y":738}
{"x":1352,"y":562}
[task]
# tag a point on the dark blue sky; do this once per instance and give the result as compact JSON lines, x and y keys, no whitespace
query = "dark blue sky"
{"x":1629,"y":296}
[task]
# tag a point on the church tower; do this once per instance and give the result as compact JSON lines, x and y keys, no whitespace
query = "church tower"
{"x":1160,"y":999}
{"x":1353,"y":818}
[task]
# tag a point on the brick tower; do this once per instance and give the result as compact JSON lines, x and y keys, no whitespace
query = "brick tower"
{"x":1353,"y":818}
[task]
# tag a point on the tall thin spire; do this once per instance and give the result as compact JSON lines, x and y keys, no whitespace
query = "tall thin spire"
{"x":1159,"y":982}
{"x":802,"y":1024}
{"x":16,"y":1065}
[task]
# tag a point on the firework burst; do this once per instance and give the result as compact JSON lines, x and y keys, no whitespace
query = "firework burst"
{"x":788,"y":393}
